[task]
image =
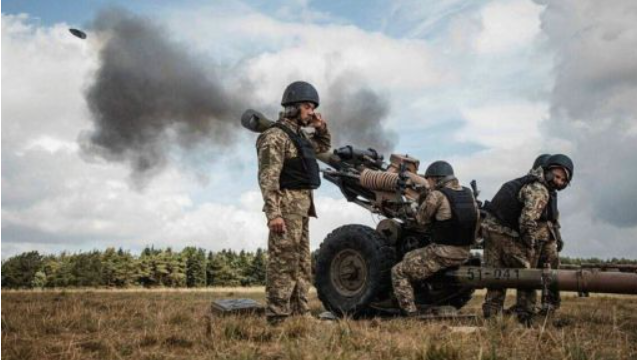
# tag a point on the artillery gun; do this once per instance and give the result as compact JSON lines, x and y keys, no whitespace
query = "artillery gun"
{"x":353,"y":264}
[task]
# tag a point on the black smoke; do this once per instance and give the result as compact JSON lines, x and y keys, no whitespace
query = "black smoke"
{"x":150,"y":95}
{"x":150,"y":92}
{"x":357,"y":114}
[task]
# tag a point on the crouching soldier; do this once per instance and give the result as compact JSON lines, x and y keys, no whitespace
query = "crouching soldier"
{"x":550,"y":241}
{"x":512,"y":230}
{"x":452,"y":213}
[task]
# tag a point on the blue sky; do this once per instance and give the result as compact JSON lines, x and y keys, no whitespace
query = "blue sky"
{"x":487,"y":85}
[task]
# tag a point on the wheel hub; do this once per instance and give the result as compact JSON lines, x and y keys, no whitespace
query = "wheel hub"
{"x":348,"y":272}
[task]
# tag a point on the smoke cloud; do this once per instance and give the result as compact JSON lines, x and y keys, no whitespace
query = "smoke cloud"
{"x":593,"y":100}
{"x":357,"y":115}
{"x":150,"y":92}
{"x":150,"y":95}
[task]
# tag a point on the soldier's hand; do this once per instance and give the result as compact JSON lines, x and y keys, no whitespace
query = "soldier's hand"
{"x":277,"y":226}
{"x":317,"y":121}
{"x":560,"y":245}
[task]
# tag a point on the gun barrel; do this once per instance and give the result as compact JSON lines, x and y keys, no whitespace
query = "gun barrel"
{"x":582,"y":281}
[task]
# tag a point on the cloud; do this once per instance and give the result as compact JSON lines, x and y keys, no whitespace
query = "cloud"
{"x":593,"y":100}
{"x":503,"y":126}
{"x":507,"y":25}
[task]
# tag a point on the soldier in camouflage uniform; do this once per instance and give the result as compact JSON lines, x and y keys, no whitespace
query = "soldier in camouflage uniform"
{"x":288,"y":172}
{"x":512,"y":228}
{"x":451,"y":212}
{"x":549,"y":241}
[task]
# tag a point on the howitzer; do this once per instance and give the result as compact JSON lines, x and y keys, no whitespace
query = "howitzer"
{"x":353,"y":263}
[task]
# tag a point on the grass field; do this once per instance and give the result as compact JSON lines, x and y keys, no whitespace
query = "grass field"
{"x":175,"y":325}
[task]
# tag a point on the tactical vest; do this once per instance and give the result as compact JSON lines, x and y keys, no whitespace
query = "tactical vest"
{"x":505,"y":206}
{"x":301,"y":172}
{"x":460,"y":229}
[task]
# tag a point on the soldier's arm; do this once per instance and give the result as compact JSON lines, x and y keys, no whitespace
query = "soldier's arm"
{"x":478,"y":220}
{"x":558,"y":235}
{"x":271,"y":152}
{"x":429,"y":207}
{"x":535,"y":198}
{"x":322,"y":139}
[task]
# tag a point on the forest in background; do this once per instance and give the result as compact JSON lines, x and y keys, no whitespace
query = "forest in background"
{"x":191,"y":267}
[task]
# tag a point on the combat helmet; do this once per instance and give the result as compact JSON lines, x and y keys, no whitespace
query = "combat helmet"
{"x":541,"y":161}
{"x":439,"y":169}
{"x":562,"y":161}
{"x":300,"y":91}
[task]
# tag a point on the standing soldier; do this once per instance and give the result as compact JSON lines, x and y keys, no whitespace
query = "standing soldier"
{"x":512,"y":228}
{"x":452,"y":213}
{"x":288,"y":172}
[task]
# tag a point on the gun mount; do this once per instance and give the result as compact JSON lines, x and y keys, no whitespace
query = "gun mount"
{"x":353,"y":263}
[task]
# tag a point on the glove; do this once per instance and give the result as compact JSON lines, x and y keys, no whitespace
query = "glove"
{"x":560,"y":245}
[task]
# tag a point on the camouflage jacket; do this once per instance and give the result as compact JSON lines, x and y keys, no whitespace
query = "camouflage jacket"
{"x":274,"y":146}
{"x":548,"y":230}
{"x":437,"y":207}
{"x":535,"y":197}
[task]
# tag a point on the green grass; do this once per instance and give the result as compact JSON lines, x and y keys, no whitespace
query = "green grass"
{"x":95,"y":324}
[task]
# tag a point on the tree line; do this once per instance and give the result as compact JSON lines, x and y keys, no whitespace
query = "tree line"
{"x":192,"y":267}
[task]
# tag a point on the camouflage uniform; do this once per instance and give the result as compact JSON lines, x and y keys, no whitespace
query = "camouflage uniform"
{"x":288,"y":274}
{"x":505,"y":248}
{"x":548,"y":255}
{"x":419,"y":264}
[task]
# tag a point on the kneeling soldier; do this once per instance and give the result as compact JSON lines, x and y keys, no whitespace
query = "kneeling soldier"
{"x":452,"y":213}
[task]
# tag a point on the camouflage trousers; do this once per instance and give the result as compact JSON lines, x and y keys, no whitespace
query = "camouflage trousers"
{"x":288,"y":273}
{"x":503,"y":251}
{"x":547,"y":255}
{"x":418,"y":265}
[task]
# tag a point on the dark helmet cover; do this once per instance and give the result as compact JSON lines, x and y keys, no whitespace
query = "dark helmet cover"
{"x":300,"y":91}
{"x":439,"y":169}
{"x":541,"y":161}
{"x":562,"y":161}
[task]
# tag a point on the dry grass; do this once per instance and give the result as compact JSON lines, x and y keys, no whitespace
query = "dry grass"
{"x":174,"y":324}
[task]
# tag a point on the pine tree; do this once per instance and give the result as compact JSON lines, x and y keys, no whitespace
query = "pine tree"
{"x":257,"y":269}
{"x":195,"y":266}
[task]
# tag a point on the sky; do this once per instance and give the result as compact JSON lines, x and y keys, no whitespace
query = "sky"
{"x":130,"y":138}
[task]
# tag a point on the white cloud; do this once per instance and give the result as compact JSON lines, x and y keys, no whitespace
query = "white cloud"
{"x":317,"y":53}
{"x":503,"y":126}
{"x":51,"y":144}
{"x":508,"y":25}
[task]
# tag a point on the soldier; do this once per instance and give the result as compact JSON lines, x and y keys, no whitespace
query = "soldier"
{"x":512,"y":228}
{"x":288,"y":172}
{"x":550,"y":242}
{"x":452,"y":213}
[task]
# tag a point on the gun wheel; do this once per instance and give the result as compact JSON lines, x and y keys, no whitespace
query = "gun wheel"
{"x":353,"y":268}
{"x":348,"y":272}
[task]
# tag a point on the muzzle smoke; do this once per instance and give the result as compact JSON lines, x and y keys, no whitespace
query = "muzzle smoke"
{"x":150,"y":95}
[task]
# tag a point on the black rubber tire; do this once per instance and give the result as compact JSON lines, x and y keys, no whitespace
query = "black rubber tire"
{"x":377,"y":259}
